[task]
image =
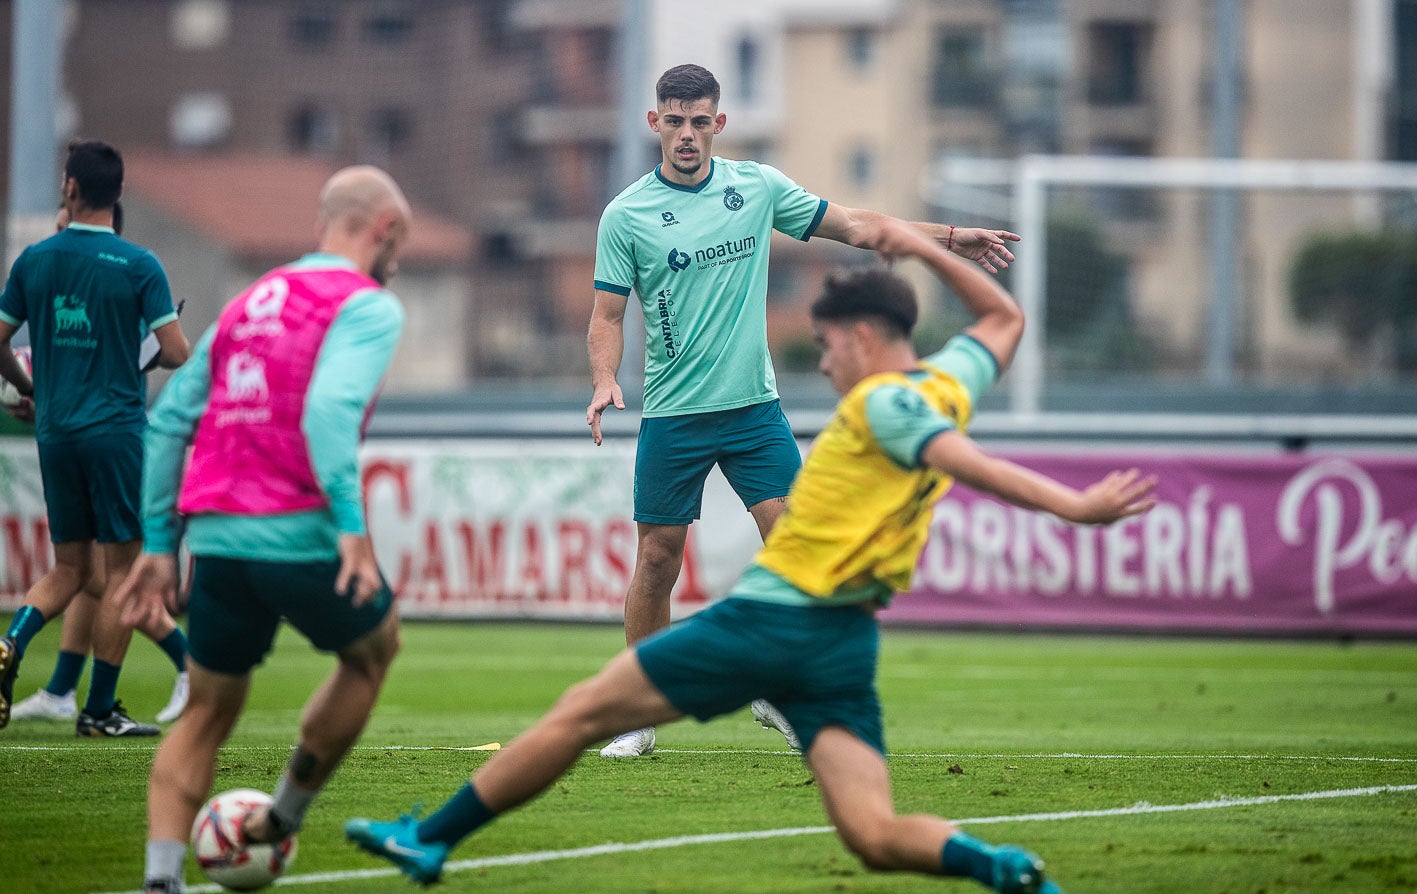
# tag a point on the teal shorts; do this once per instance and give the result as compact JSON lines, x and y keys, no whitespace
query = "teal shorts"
{"x":92,"y":488}
{"x":753,"y":446}
{"x":816,"y":665}
{"x":237,"y":605}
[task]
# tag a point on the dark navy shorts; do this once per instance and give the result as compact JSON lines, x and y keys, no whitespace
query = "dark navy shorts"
{"x":92,"y":488}
{"x":753,"y":446}
{"x":817,"y":665}
{"x":237,"y":605}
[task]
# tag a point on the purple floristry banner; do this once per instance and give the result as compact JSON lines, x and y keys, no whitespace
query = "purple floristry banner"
{"x":1237,"y":542}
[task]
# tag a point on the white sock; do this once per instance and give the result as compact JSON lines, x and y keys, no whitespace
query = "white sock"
{"x":164,"y":860}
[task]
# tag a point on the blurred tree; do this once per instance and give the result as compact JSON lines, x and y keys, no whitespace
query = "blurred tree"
{"x":1089,"y":326}
{"x":1365,"y":283}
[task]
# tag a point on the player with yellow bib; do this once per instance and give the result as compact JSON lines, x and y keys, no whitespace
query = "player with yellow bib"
{"x":799,"y":628}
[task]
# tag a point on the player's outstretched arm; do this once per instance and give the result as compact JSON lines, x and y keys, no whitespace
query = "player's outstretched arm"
{"x":1118,"y":495}
{"x":863,"y":229}
{"x":14,"y":373}
{"x":605,"y":343}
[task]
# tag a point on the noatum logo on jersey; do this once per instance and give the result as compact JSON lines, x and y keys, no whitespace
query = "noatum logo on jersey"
{"x":725,"y":252}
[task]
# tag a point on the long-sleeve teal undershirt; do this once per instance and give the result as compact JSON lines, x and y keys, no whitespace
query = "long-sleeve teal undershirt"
{"x":356,"y":353}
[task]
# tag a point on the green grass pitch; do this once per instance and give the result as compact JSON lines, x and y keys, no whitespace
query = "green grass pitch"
{"x":1020,"y":733}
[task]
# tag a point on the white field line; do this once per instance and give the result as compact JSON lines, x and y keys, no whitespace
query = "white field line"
{"x":951,"y":755}
{"x":687,"y":840}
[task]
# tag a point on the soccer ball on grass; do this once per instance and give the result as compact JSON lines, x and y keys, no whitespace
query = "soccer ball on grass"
{"x":223,"y":856}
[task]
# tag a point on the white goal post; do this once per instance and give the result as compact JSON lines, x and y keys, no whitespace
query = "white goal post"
{"x":964,"y":182}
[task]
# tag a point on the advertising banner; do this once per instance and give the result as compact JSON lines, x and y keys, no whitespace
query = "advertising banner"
{"x":1238,"y":542}
{"x":1244,"y":542}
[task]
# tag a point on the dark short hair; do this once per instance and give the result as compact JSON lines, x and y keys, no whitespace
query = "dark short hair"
{"x":98,"y":169}
{"x":870,"y":293}
{"x":687,"y":83}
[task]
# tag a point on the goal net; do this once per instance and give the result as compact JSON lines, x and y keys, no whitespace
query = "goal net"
{"x":1203,"y":285}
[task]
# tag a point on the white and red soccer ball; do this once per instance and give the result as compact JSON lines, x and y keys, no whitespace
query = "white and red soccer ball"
{"x":220,"y":851}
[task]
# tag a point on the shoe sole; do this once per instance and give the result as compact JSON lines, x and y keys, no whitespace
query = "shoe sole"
{"x":413,"y":872}
{"x":9,"y":671}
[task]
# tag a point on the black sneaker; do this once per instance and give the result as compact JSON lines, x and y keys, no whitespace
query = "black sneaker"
{"x":9,"y":670}
{"x":162,"y":886}
{"x":116,"y":724}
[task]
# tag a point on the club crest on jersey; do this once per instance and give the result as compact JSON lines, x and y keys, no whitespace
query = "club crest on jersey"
{"x":732,"y":199}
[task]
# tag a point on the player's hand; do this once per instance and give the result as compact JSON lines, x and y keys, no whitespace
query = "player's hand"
{"x":604,"y":396}
{"x":1117,"y":496}
{"x":23,"y":411}
{"x":149,"y":592}
{"x":359,"y":577}
{"x":985,"y":247}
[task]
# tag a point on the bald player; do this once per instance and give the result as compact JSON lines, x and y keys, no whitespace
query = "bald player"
{"x":273,"y":404}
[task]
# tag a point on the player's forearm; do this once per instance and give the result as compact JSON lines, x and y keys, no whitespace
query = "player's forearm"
{"x":955,"y":454}
{"x":605,"y":344}
{"x":164,"y":453}
{"x":980,"y":293}
{"x":172,"y":424}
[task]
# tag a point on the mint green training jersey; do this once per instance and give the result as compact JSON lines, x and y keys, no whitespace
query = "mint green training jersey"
{"x":698,"y":259}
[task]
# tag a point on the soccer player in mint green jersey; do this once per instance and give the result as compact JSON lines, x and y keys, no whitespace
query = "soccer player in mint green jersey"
{"x":690,"y":238}
{"x":87,"y":296}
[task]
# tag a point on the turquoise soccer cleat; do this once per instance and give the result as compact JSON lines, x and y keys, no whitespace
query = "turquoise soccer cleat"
{"x":1016,"y":871}
{"x":397,"y":841}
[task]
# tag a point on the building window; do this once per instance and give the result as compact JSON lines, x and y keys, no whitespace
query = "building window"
{"x":860,"y":47}
{"x":748,"y":65}
{"x":861,"y":167}
{"x":200,"y":120}
{"x":314,"y":24}
{"x":961,"y":73}
{"x":1118,"y":56}
{"x":313,"y":128}
{"x":504,"y":136}
{"x":1135,"y":204}
{"x":1403,"y":103}
{"x":390,"y":23}
{"x":200,"y":24}
{"x":390,"y":129}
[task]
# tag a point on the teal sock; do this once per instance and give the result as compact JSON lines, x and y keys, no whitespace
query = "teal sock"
{"x":463,"y":814}
{"x":175,"y":645}
{"x":968,"y":857}
{"x":66,"y":673}
{"x":103,"y":689}
{"x":24,"y":625}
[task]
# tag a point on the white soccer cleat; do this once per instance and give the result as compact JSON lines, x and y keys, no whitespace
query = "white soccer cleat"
{"x":45,"y":705}
{"x":632,"y":744}
{"x":769,"y":717}
{"x":178,"y":703}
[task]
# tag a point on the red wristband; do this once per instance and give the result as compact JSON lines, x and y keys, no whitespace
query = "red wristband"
{"x":951,"y":244}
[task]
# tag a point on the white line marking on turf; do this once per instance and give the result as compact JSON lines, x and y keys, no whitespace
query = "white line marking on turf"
{"x":686,"y":840}
{"x":951,"y":755}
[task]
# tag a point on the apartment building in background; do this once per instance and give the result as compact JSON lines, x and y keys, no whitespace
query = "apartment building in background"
{"x":504,"y":117}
